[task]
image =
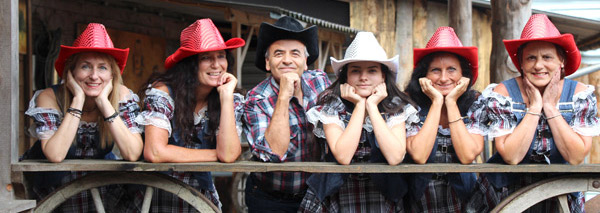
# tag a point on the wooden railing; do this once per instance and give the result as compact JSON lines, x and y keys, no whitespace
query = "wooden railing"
{"x":312,"y":167}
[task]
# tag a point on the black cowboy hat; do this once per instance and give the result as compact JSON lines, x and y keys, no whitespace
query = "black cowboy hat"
{"x":286,"y":28}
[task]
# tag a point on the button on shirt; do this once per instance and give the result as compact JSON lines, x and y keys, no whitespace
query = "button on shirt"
{"x":258,"y":111}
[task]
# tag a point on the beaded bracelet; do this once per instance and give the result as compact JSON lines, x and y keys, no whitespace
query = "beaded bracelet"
{"x":554,"y":116}
{"x":74,"y":114}
{"x":73,"y":110}
{"x":112,"y":117}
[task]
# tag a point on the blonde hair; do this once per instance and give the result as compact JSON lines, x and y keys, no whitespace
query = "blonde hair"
{"x":113,"y":97}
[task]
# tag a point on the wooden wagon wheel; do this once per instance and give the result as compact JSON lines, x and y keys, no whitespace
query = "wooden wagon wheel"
{"x":238,"y":191}
{"x":528,"y":196}
{"x":157,"y":180}
{"x":238,"y":185}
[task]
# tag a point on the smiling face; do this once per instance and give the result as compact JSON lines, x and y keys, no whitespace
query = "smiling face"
{"x":364,"y":76}
{"x":93,"y":71}
{"x":285,"y":56}
{"x":539,"y":62}
{"x":444,"y":72}
{"x":211,"y":65}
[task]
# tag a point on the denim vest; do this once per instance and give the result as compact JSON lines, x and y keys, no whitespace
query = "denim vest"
{"x":204,"y":178}
{"x":519,"y":109}
{"x":391,"y":185}
{"x":462,"y":183}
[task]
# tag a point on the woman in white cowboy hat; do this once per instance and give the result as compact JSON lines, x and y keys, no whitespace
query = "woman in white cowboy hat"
{"x":441,"y":86}
{"x":361,"y":117}
{"x":539,"y":117}
{"x":191,"y":112}
{"x":87,"y":116}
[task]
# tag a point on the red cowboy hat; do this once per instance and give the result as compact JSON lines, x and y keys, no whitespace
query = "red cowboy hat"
{"x":93,"y":39}
{"x":540,"y":28}
{"x":445,"y":40}
{"x":201,"y":36}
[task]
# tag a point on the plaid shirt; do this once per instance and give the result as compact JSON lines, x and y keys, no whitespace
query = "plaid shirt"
{"x":258,"y":110}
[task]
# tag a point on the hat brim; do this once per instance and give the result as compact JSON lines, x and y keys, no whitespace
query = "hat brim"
{"x":183,"y":52}
{"x":391,"y":63}
{"x":469,"y":53}
{"x":120,"y":56}
{"x":269,"y":33}
{"x":566,"y":41}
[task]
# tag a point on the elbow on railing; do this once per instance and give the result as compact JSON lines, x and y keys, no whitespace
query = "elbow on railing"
{"x":152,"y":156}
{"x":468,"y":159}
{"x":344,"y":161}
{"x":512,"y":161}
{"x":55,"y":159}
{"x":576,"y":161}
{"x":419,"y":159}
{"x":227,"y":158}
{"x":395,"y":161}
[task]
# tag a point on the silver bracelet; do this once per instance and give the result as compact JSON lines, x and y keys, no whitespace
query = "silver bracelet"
{"x":458,"y":119}
{"x":533,"y":113}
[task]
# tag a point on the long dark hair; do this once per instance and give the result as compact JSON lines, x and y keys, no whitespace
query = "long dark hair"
{"x":414,"y":87}
{"x":182,"y":78}
{"x":392,"y":104}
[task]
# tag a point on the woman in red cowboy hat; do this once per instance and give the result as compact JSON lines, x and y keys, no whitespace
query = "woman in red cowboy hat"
{"x":441,"y":84}
{"x":88,"y":115}
{"x":539,"y":117}
{"x":361,"y":118}
{"x":191,"y":112}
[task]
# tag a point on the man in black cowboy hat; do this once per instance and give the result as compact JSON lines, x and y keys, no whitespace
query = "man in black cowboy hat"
{"x":275,"y":113}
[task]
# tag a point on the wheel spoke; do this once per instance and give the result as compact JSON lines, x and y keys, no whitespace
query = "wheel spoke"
{"x":97,"y":200}
{"x":564,"y":205}
{"x":147,"y":199}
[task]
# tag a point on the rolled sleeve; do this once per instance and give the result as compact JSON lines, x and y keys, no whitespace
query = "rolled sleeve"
{"x":256,"y":122}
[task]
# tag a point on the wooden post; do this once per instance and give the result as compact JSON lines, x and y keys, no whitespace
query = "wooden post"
{"x":404,"y":40}
{"x":9,"y":98}
{"x":236,"y":31}
{"x":28,"y":79}
{"x":508,"y":19}
{"x":460,"y":18}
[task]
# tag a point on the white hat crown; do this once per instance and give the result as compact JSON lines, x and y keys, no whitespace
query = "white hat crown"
{"x":365,"y":47}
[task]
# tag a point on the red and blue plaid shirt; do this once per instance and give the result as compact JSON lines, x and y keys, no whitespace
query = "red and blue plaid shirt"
{"x":258,"y":110}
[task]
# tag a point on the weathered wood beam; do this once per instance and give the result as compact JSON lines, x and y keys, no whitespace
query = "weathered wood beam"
{"x":331,"y":36}
{"x":236,"y":31}
{"x":404,"y":40}
{"x":9,"y":98}
{"x":246,"y":18}
{"x":461,"y":19}
{"x":508,"y":19}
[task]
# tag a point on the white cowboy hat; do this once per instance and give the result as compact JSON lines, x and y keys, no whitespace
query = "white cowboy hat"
{"x":365,"y":47}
